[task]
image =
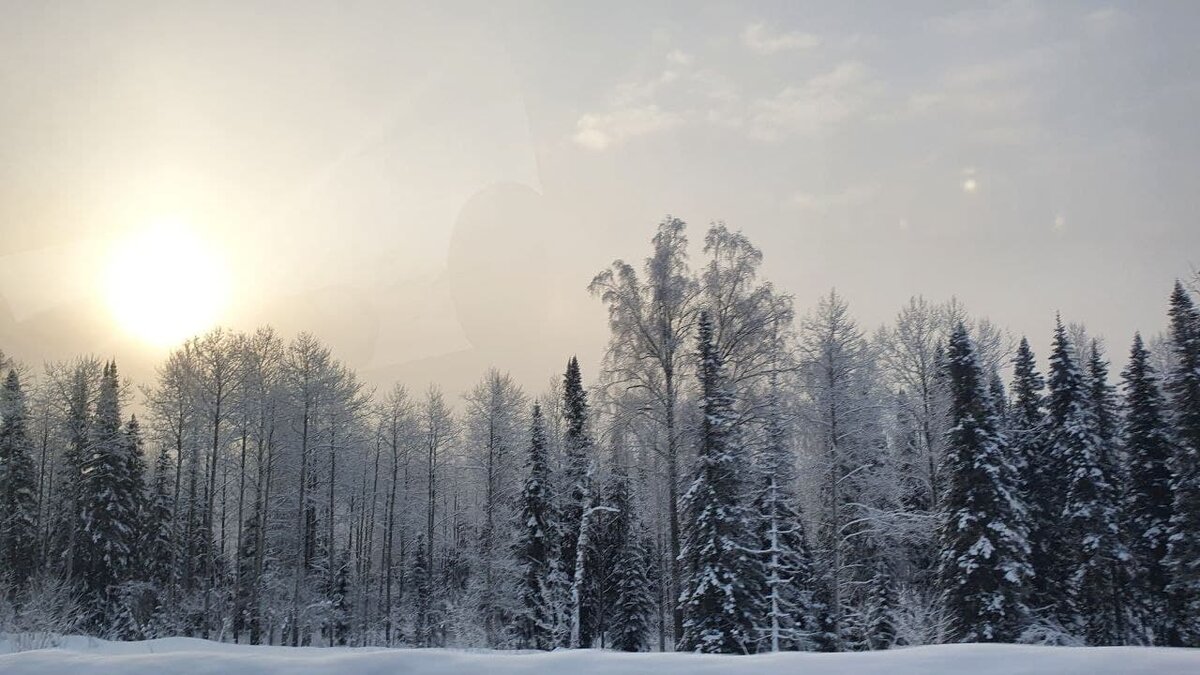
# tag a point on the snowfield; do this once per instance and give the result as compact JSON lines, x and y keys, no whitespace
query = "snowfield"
{"x":84,"y":656}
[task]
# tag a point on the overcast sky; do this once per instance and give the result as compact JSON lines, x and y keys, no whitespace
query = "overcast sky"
{"x":430,"y":190}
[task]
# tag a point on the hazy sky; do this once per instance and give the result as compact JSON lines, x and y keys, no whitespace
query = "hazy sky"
{"x":430,"y":190}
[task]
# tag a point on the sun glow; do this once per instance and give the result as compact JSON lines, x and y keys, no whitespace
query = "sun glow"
{"x":165,"y":283}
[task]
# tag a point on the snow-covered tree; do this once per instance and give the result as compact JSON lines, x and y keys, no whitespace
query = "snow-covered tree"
{"x":108,"y":514}
{"x":651,"y":319}
{"x":536,"y":547}
{"x":630,"y":631}
{"x":984,"y":560}
{"x":1183,"y":552}
{"x":1093,"y":560}
{"x":842,"y":421}
{"x":723,"y":584}
{"x":788,"y":617}
{"x":1146,"y":436}
{"x":18,"y":488}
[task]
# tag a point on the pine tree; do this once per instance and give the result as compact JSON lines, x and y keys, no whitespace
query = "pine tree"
{"x":879,"y":627}
{"x":18,"y":505}
{"x":722,"y":584}
{"x":134,"y":478}
{"x":999,"y":398}
{"x":1148,"y":505}
{"x":1094,"y":560}
{"x":634,"y":595}
{"x":108,"y":513}
{"x":1183,"y":552}
{"x":983,"y":535}
{"x":156,"y":542}
{"x":788,"y":616}
{"x":536,"y":548}
{"x":577,"y":448}
{"x":1027,"y":428}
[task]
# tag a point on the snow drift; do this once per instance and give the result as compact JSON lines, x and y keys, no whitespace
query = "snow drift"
{"x":84,"y":656}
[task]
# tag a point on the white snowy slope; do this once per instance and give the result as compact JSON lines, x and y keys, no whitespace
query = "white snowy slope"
{"x":83,"y":656}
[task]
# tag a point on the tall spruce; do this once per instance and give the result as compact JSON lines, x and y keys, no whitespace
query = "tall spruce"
{"x":133,"y":448}
{"x":1183,"y":552}
{"x":108,"y":514}
{"x":578,"y":490}
{"x":983,"y":537}
{"x":1094,"y":561}
{"x":635,"y":595}
{"x":1027,"y":431}
{"x":630,"y":602}
{"x":723,"y":586}
{"x":788,"y":617}
{"x":18,"y":488}
{"x":1146,"y":436}
{"x":535,"y":548}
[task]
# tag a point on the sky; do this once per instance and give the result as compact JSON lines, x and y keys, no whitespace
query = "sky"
{"x":430,"y":189}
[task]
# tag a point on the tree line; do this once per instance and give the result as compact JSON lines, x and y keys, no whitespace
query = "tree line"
{"x":736,"y":479}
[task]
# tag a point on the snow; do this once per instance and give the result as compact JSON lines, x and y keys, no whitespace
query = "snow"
{"x":86,"y":656}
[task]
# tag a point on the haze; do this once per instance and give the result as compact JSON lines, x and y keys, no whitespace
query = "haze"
{"x":430,"y":190}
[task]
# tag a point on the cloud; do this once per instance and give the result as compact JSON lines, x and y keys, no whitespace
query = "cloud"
{"x":679,"y":57}
{"x":761,"y":38}
{"x":1008,"y":16}
{"x":814,"y":105}
{"x":832,"y":201}
{"x":603,"y":131}
{"x":1104,"y":21}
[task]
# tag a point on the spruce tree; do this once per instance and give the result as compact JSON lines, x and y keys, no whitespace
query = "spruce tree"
{"x":788,"y":615}
{"x":1183,"y":548}
{"x":983,"y":536}
{"x":1148,"y":505}
{"x":133,"y":449}
{"x":1094,"y":561}
{"x":879,"y":625}
{"x":722,"y":590}
{"x":635,"y":595}
{"x":625,"y":564}
{"x":1027,"y":431}
{"x":18,"y":503}
{"x":108,"y":516}
{"x":535,"y":548}
{"x":156,"y":541}
{"x":577,"y":449}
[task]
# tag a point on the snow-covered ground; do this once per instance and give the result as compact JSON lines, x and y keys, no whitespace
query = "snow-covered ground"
{"x":84,"y":656}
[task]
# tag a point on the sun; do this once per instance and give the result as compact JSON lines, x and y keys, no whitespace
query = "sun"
{"x":165,"y":283}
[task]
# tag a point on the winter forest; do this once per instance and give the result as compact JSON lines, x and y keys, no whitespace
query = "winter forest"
{"x":742,"y":475}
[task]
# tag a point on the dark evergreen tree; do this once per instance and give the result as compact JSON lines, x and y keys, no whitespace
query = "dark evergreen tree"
{"x":108,"y":515}
{"x":1093,"y":560}
{"x":1148,"y":502}
{"x":983,"y":536}
{"x":999,"y":398}
{"x":577,"y":450}
{"x":1039,"y":476}
{"x":611,"y":532}
{"x":535,"y":548}
{"x":627,"y":598}
{"x":879,"y":624}
{"x":635,"y":596}
{"x":157,"y":542}
{"x":1183,"y":552}
{"x":723,"y":585}
{"x":18,"y":489}
{"x":135,"y":486}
